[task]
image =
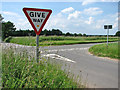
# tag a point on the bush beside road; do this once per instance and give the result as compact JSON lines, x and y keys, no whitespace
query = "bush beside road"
{"x":102,"y":50}
{"x":20,"y":71}
{"x":57,"y":40}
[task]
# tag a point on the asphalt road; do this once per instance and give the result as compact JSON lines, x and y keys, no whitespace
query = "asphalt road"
{"x":94,"y":71}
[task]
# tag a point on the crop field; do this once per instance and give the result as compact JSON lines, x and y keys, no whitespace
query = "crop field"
{"x":104,"y":51}
{"x":57,"y":40}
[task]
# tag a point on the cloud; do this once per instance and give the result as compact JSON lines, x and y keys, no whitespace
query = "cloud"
{"x":115,"y":25}
{"x":100,"y":23}
{"x":59,"y":0}
{"x":57,"y":21}
{"x":87,"y":2}
{"x":10,"y":13}
{"x":78,"y":22}
{"x":67,"y":10}
{"x":20,"y":22}
{"x":71,"y":20}
{"x":90,"y":21}
{"x":75,"y":15}
{"x":93,"y":11}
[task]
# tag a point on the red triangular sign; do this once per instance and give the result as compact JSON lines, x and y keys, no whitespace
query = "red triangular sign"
{"x":37,"y":18}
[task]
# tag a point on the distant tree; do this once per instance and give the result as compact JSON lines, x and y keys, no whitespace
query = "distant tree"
{"x":75,"y":34}
{"x":1,"y":18}
{"x":67,"y":34}
{"x":117,"y":33}
{"x":84,"y":35}
{"x":46,"y":32}
{"x":7,"y":29}
{"x":56,"y":32}
{"x":63,"y":34}
{"x":79,"y":34}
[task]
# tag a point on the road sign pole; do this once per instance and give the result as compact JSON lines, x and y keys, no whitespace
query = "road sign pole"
{"x":37,"y":18}
{"x":107,"y":27}
{"x":37,"y":48}
{"x":107,"y":36}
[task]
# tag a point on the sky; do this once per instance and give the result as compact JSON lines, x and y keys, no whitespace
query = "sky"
{"x":74,"y":17}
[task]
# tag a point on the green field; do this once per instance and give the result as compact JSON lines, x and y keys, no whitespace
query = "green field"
{"x":103,"y":51}
{"x":19,"y":72}
{"x":57,"y":40}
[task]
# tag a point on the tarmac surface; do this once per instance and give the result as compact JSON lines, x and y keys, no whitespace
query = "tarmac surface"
{"x":95,"y":72}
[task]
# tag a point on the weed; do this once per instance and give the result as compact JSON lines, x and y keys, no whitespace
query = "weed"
{"x":104,"y":51}
{"x":19,"y":72}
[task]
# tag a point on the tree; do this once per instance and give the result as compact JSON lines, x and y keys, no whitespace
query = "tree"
{"x":84,"y":35}
{"x":67,"y":34}
{"x":79,"y":34}
{"x":1,"y":18}
{"x":75,"y":34}
{"x":7,"y":29}
{"x":56,"y":32}
{"x":46,"y":32}
{"x":117,"y":33}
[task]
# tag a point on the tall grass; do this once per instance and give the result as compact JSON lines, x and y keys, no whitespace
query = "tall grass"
{"x":104,"y":51}
{"x":58,"y":40}
{"x":19,"y":72}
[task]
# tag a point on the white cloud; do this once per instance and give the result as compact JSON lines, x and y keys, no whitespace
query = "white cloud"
{"x":58,"y":0}
{"x":75,"y":15}
{"x":77,"y":22}
{"x":90,"y":21}
{"x":10,"y":13}
{"x":67,"y":10}
{"x":93,"y":11}
{"x":58,"y":21}
{"x":86,"y":2}
{"x":73,"y":21}
{"x":100,"y":23}
{"x":115,"y":25}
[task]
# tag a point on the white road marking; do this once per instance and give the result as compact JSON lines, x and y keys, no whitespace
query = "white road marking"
{"x":55,"y":56}
{"x":24,"y":46}
{"x":71,"y":49}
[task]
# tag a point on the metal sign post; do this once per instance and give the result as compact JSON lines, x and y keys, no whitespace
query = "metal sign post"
{"x":37,"y":18}
{"x":107,"y":27}
{"x":37,"y":48}
{"x":107,"y":36}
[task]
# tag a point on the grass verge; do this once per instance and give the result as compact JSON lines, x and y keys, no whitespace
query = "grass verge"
{"x":102,"y":50}
{"x":19,"y":72}
{"x":58,"y":40}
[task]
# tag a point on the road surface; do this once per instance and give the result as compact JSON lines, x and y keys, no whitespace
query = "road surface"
{"x":95,"y":71}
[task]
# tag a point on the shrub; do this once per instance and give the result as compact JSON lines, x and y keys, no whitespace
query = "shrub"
{"x":19,"y":72}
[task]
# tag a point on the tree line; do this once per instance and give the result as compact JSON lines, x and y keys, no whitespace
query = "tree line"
{"x":8,"y":29}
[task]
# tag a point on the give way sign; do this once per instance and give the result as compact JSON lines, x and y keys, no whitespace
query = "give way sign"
{"x":37,"y":17}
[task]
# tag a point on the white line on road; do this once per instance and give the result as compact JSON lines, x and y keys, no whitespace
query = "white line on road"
{"x":71,"y":49}
{"x":55,"y":56}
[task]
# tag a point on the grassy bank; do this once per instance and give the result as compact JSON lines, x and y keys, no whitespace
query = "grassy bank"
{"x":57,"y":40}
{"x":103,"y":51}
{"x":19,"y":72}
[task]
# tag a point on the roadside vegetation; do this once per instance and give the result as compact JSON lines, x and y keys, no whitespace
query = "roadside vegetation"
{"x":102,"y":50}
{"x":9,"y":29}
{"x":57,"y":40}
{"x":21,"y":72}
